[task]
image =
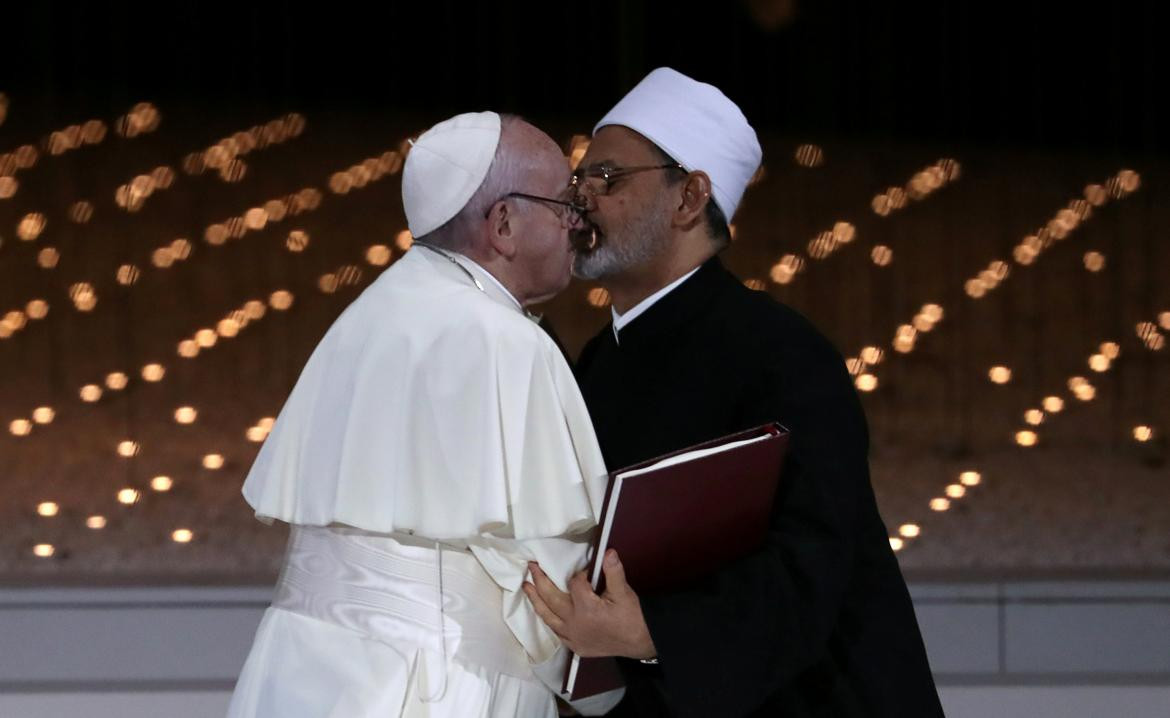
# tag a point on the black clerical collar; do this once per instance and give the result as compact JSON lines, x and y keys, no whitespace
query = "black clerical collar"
{"x":680,"y":304}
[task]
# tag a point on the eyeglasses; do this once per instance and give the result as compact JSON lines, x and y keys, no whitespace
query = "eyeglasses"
{"x":569,"y":212}
{"x":599,"y":179}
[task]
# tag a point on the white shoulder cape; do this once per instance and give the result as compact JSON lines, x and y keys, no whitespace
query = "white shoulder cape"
{"x":433,"y":407}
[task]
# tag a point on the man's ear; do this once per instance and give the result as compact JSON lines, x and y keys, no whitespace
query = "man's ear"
{"x":694,"y":195}
{"x":502,"y":230}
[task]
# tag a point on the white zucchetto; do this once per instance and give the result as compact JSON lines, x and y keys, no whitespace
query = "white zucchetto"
{"x":444,"y":168}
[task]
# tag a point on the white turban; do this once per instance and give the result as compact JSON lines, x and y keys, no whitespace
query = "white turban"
{"x":697,"y":125}
{"x":445,"y":167}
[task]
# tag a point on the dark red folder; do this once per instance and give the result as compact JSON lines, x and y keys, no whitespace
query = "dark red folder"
{"x":679,"y":517}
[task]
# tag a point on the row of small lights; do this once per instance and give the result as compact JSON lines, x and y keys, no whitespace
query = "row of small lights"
{"x":1080,"y":388}
{"x":920,"y":186}
{"x":376,"y":255}
{"x":1059,"y":227}
{"x":905,"y":338}
{"x":225,"y":155}
{"x":22,"y":158}
{"x":161,"y":484}
{"x":228,"y":327}
{"x":145,"y":118}
{"x":32,"y":225}
{"x":84,"y":295}
{"x":1065,"y":221}
{"x":142,"y":118}
{"x":1149,"y":335}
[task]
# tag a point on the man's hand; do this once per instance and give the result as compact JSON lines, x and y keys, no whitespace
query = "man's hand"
{"x":590,"y":625}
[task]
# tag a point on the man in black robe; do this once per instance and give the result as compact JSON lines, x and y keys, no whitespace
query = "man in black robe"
{"x":818,"y":622}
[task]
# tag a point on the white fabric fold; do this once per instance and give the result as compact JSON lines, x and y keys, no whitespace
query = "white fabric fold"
{"x":435,"y":408}
{"x":431,"y":411}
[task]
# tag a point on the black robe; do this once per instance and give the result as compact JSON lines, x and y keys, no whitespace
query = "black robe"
{"x":818,"y":622}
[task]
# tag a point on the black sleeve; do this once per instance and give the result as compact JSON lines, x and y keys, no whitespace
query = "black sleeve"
{"x":728,"y":643}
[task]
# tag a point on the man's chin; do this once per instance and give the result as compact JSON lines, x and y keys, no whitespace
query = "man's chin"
{"x":591,"y":265}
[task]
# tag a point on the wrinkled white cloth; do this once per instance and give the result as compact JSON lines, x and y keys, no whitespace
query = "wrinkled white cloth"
{"x":432,"y":413}
{"x":431,"y":406}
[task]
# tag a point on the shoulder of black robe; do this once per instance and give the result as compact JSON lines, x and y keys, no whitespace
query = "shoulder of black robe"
{"x":548,"y":328}
{"x":819,"y":622}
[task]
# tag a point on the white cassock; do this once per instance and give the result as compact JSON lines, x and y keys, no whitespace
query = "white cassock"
{"x":435,"y":443}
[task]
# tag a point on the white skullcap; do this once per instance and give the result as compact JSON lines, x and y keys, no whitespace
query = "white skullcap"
{"x":444,"y":168}
{"x":697,"y":125}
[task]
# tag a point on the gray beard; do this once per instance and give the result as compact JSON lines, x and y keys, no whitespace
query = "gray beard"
{"x":639,"y":242}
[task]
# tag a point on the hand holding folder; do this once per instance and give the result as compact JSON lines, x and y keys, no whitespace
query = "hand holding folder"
{"x":680,"y":517}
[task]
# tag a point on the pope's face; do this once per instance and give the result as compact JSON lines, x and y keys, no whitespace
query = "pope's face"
{"x":631,"y":213}
{"x":545,"y":251}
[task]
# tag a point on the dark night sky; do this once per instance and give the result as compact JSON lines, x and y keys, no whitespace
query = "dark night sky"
{"x":982,"y":73}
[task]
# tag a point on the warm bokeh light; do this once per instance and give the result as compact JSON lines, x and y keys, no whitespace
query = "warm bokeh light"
{"x":598,"y":297}
{"x":809,"y":156}
{"x":378,"y":255}
{"x":280,"y":300}
{"x":186,"y":415}
{"x":1027,"y":438}
{"x":1099,"y":363}
{"x":206,"y":338}
{"x":153,"y":372}
{"x":872,"y":355}
{"x":129,"y":496}
{"x":297,"y":241}
{"x":37,"y":309}
{"x":970,"y":478}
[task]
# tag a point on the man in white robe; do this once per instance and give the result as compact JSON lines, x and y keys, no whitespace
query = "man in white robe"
{"x":435,"y":443}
